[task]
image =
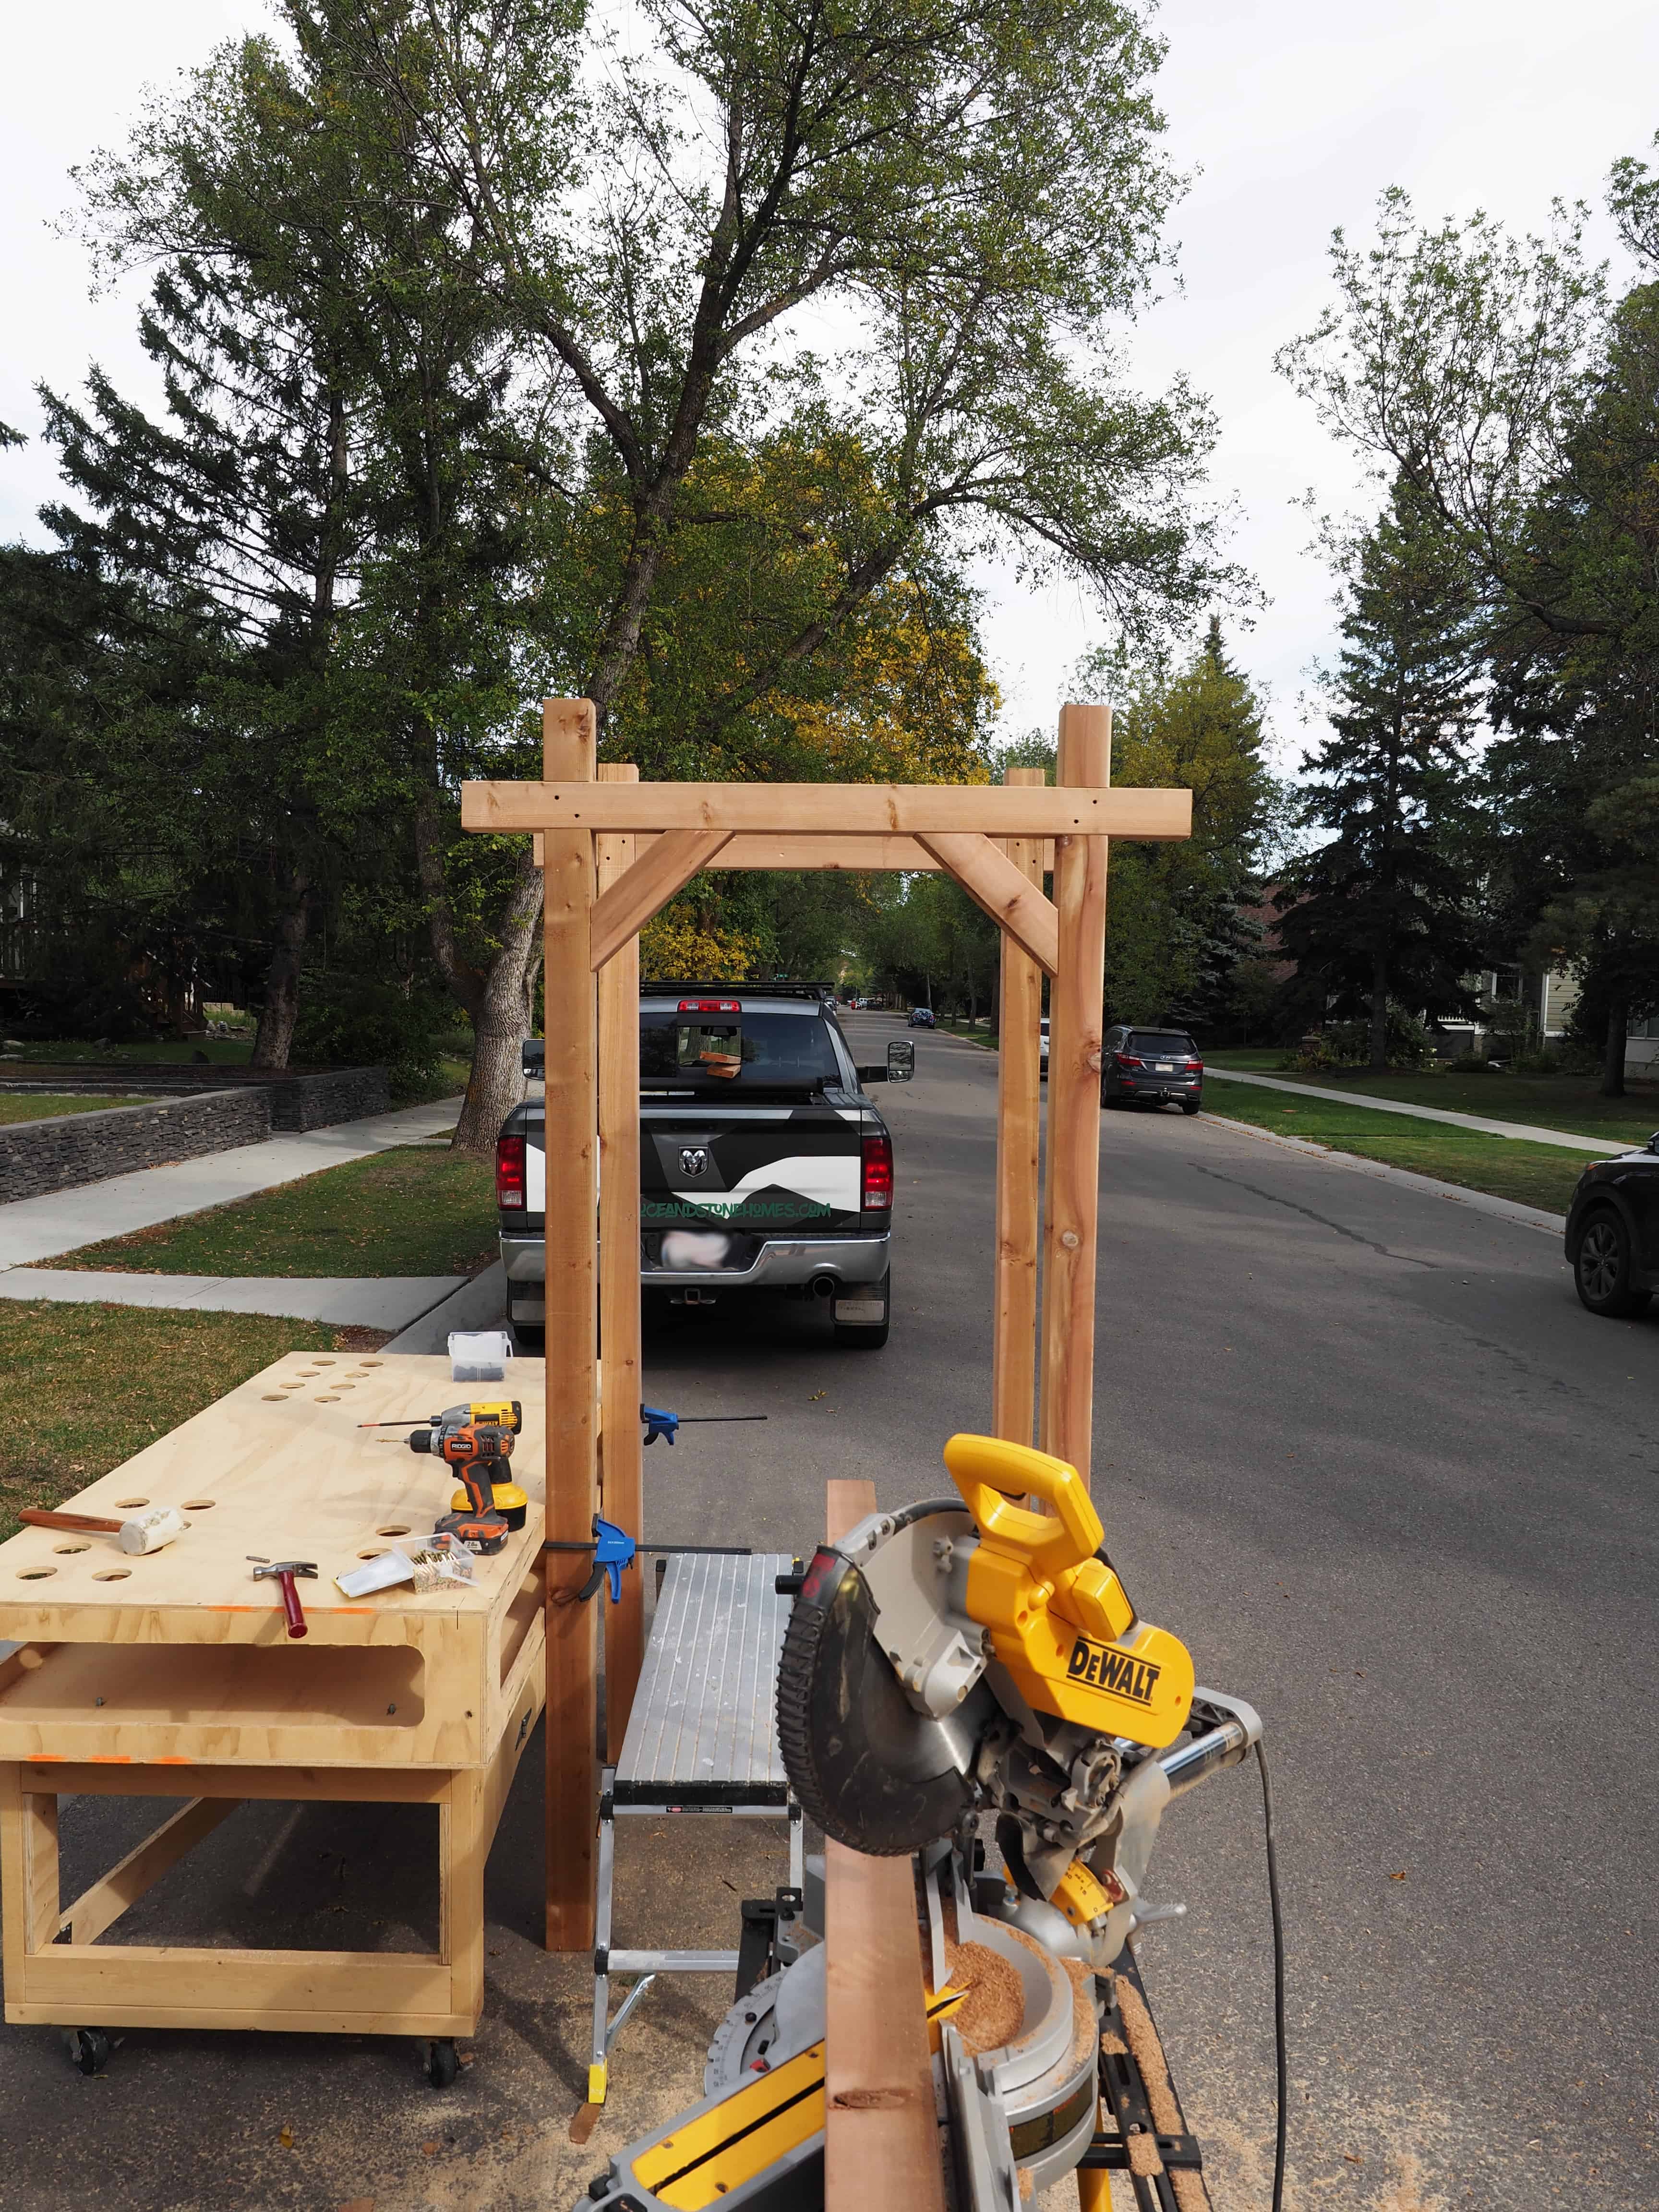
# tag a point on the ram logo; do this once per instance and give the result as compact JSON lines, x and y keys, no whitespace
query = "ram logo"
{"x":694,"y":1159}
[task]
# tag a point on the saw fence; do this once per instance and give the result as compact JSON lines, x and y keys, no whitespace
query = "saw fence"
{"x":614,"y":851}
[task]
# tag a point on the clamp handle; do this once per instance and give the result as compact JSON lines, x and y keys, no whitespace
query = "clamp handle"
{"x":986,"y":1469}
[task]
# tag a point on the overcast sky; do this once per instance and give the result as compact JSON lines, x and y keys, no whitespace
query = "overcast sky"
{"x":1297,"y":112}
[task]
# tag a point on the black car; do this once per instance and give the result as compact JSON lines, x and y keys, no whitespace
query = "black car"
{"x":1156,"y":1067}
{"x":1613,"y":1232}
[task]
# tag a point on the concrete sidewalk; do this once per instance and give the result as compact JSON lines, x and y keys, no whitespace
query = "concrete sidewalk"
{"x":367,"y":1301}
{"x":34,"y":1229}
{"x":1605,"y":1148}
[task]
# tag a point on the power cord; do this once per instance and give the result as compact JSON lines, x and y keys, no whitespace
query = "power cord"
{"x":1278,"y":1981}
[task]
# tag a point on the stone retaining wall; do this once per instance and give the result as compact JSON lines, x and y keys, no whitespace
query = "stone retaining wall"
{"x":313,"y":1099}
{"x":37,"y":1157}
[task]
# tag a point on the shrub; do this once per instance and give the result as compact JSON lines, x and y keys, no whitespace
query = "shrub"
{"x":1348,"y":1044}
{"x":356,"y":1022}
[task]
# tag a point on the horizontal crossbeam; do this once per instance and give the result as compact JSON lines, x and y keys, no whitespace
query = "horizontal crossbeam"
{"x":912,"y":809}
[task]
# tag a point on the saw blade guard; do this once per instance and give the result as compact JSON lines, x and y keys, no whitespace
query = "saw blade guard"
{"x":872,"y":1770}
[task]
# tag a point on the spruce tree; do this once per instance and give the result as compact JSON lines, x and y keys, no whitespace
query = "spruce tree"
{"x":1385,"y":907}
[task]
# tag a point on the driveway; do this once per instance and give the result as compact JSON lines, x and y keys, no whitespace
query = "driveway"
{"x":1361,"y":1447}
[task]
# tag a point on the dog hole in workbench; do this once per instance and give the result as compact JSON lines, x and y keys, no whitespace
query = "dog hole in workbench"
{"x":273,"y":1397}
{"x":127,"y":1504}
{"x":71,"y":1547}
{"x":198,"y":1505}
{"x":398,"y":1529}
{"x":34,"y":1574}
{"x":112,"y":1574}
{"x":328,"y":1398}
{"x":380,"y":1554}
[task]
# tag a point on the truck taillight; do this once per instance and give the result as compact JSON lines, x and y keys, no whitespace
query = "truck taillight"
{"x":1127,"y":1060}
{"x":509,"y":1173}
{"x":710,"y":1006}
{"x":1195,"y":1068}
{"x":878,"y":1194}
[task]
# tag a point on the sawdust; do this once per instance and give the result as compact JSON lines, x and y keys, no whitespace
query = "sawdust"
{"x":1190,"y":2192}
{"x":993,"y":2011}
{"x":1142,"y":2038}
{"x":1143,"y":2155}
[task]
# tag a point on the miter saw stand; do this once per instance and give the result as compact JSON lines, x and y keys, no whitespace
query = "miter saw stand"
{"x":1080,"y":2084}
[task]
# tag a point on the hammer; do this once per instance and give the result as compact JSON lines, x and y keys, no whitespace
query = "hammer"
{"x":285,"y":1570}
{"x":144,"y":1532}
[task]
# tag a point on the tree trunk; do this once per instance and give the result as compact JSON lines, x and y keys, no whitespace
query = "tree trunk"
{"x":1380,"y":1009}
{"x":1613,"y":1057}
{"x":500,"y":1019}
{"x":274,"y":1037}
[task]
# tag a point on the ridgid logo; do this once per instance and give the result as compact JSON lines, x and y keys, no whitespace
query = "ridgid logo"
{"x":1108,"y":1668}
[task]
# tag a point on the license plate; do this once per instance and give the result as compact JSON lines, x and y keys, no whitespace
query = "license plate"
{"x":696,"y":1247}
{"x":1164,"y":1067}
{"x":859,"y":1310}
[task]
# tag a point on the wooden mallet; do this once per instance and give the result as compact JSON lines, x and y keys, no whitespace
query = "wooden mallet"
{"x":142,"y":1532}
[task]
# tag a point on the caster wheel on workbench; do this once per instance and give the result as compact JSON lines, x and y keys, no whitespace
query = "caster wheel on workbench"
{"x":89,"y":2050}
{"x":441,"y":2064}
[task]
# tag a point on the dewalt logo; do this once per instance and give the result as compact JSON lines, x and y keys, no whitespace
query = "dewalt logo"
{"x":1106,"y":1667}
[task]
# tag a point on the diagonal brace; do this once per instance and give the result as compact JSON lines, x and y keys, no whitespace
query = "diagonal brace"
{"x":666,"y":865}
{"x":1001,"y":891}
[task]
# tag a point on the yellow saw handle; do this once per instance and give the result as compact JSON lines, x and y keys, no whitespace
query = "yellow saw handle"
{"x":984,"y":1469}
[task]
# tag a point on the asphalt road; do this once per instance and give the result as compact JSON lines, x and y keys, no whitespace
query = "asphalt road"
{"x":1361,"y":1449}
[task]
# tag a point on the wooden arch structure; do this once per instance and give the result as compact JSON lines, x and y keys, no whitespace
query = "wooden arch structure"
{"x":614,"y":851}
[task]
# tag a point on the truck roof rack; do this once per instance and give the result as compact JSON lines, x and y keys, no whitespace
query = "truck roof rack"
{"x":658,"y":989}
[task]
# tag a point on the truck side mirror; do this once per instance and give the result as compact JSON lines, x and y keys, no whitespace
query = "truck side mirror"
{"x":901,"y":1061}
{"x":533,"y":1056}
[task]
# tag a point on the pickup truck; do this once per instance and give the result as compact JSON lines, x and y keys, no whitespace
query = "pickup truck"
{"x":763,"y":1164}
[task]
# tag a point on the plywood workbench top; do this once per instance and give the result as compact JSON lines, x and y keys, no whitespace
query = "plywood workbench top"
{"x":278,"y":1469}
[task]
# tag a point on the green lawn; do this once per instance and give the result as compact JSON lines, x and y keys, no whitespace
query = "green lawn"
{"x":1549,"y":1101}
{"x":82,"y":1388}
{"x":44,"y":1105}
{"x":410,"y":1211}
{"x":1536,"y":1174}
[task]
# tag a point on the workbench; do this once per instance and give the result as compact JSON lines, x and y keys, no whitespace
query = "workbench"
{"x":172,"y":1675}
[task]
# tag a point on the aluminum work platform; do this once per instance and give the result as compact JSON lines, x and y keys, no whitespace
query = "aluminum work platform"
{"x":703,"y":1738}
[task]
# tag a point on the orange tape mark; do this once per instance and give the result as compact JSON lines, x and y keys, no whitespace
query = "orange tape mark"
{"x":109,"y":1758}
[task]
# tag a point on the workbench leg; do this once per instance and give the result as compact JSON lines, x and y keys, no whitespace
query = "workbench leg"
{"x":1019,"y":1075}
{"x":1075,"y":1034}
{"x":30,"y":1905}
{"x":571,"y":1086}
{"x":463,"y":1848}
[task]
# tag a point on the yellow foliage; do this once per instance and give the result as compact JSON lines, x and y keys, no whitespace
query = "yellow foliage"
{"x":914,"y":695}
{"x":694,"y":946}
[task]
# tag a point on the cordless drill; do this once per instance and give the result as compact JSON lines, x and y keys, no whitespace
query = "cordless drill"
{"x":476,"y":1441}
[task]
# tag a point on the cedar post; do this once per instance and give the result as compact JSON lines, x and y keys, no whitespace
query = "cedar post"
{"x":572,"y":1340}
{"x":619,"y":1283}
{"x":1019,"y":1070}
{"x":1075,"y":1029}
{"x":880,"y":2136}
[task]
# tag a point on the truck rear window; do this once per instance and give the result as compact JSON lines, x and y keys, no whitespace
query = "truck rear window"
{"x":793,"y":1049}
{"x":1165,"y":1042}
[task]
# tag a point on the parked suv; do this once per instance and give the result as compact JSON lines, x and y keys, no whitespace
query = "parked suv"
{"x":763,"y":1164}
{"x":1613,"y":1232}
{"x":1158,"y":1067}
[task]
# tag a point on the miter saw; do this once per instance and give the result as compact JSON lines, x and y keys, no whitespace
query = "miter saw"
{"x":964,"y":1658}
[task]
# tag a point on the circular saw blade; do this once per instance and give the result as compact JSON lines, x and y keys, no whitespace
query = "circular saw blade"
{"x":873,"y":1772}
